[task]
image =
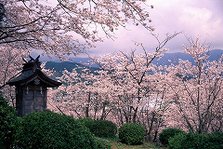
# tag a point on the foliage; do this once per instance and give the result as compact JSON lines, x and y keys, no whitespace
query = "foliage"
{"x":215,"y":140}
{"x":7,"y":123}
{"x":131,"y":133}
{"x":104,"y":128}
{"x":196,"y":141}
{"x":102,"y":143}
{"x":100,"y":128}
{"x":168,"y":133}
{"x":87,"y":122}
{"x":44,"y":130}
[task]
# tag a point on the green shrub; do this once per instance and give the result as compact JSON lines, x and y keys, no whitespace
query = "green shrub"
{"x":100,"y":128}
{"x":8,"y":121}
{"x":131,"y":133}
{"x":176,"y":141}
{"x":103,"y":128}
{"x":167,"y":133}
{"x":87,"y":122}
{"x":102,"y":144}
{"x":215,"y":140}
{"x":197,"y":141}
{"x":46,"y":130}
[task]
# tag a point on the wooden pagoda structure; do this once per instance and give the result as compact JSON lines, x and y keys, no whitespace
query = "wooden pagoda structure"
{"x":31,"y":87}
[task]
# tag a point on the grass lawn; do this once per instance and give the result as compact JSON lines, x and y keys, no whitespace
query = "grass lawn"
{"x":118,"y":145}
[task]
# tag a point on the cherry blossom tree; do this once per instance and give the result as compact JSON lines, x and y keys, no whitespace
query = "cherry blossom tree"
{"x":62,"y":26}
{"x":59,"y":27}
{"x":197,"y":91}
{"x":153,"y":113}
{"x":134,"y":73}
{"x":84,"y":94}
{"x":10,"y":64}
{"x":125,"y":88}
{"x":112,"y":93}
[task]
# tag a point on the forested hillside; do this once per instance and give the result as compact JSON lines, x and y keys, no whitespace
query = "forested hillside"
{"x":166,"y":59}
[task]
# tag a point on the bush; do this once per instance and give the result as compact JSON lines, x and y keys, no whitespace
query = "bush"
{"x":215,"y":140}
{"x":176,"y":141}
{"x":8,"y":121}
{"x":100,"y":128}
{"x":197,"y":141}
{"x":103,"y":128}
{"x":168,"y":133}
{"x":102,"y":144}
{"x":45,"y":130}
{"x":87,"y":122}
{"x":131,"y":134}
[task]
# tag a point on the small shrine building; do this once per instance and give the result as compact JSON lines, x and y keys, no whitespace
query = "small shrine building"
{"x":31,"y":87}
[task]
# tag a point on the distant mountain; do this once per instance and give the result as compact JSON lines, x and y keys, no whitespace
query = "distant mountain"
{"x":81,"y":60}
{"x":167,"y":59}
{"x":173,"y":58}
{"x":215,"y":54}
{"x":59,"y":67}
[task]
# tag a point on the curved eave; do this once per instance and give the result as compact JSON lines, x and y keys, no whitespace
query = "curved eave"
{"x":48,"y":82}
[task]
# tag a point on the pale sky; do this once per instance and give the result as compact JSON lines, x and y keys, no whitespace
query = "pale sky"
{"x":194,"y":18}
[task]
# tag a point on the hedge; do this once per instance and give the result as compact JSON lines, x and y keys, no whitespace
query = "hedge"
{"x":45,"y":130}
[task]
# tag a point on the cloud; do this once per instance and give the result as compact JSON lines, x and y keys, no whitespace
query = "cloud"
{"x":200,"y":21}
{"x":203,"y":19}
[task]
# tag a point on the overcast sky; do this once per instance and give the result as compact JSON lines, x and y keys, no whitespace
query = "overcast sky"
{"x":194,"y":18}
